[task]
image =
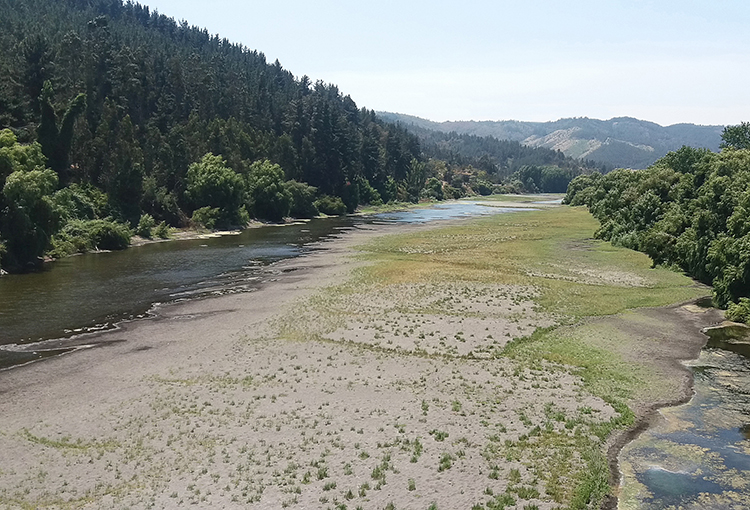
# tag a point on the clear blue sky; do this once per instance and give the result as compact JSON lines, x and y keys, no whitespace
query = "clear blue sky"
{"x":666,"y":61}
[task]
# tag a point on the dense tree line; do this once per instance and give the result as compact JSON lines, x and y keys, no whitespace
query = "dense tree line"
{"x":121,"y":116}
{"x":691,"y":210}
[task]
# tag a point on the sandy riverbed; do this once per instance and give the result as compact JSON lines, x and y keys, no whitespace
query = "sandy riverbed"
{"x":266,"y":400}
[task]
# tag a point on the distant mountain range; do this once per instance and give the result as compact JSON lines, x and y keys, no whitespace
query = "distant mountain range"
{"x":622,"y":142}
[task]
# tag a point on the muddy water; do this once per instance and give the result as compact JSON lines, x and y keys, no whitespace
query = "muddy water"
{"x":49,"y":313}
{"x":698,"y":456}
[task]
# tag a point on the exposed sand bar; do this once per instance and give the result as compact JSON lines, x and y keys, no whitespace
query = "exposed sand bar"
{"x":311,"y":393}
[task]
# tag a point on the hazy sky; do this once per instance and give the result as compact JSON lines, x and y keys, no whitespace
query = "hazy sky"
{"x":667,"y":61}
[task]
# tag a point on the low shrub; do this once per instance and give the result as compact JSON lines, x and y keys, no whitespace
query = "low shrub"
{"x":80,"y":236}
{"x":162,"y":230}
{"x":739,"y":312}
{"x":332,"y":206}
{"x":206,"y":217}
{"x":145,"y":225}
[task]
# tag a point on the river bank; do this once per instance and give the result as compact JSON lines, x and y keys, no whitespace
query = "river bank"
{"x":398,"y":368}
{"x":697,"y":455}
{"x":515,"y":201}
{"x":95,"y":291}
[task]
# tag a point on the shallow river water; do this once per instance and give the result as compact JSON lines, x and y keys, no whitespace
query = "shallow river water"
{"x":698,"y":457}
{"x":40,"y":312}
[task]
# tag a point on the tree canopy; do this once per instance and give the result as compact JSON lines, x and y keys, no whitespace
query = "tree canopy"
{"x":165,"y":119}
{"x":690,"y":210}
{"x":736,"y":137}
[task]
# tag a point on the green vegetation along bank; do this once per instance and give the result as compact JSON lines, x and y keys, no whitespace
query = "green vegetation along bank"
{"x":690,"y":210}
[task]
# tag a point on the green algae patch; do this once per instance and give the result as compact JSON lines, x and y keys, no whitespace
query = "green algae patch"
{"x":697,"y":456}
{"x":730,"y":333}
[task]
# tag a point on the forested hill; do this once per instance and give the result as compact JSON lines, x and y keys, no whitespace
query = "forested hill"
{"x":141,"y":117}
{"x":116,"y":120}
{"x":169,"y":93}
{"x":622,"y":142}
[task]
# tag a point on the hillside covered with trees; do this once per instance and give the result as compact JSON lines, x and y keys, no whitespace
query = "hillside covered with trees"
{"x":114,"y":112}
{"x":117,"y":120}
{"x":690,"y":210}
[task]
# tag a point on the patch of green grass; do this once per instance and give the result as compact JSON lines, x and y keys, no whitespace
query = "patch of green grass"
{"x":378,"y":472}
{"x":603,"y":371}
{"x":526,"y":492}
{"x":515,"y":475}
{"x":446,"y":462}
{"x":500,"y":502}
{"x":66,"y":443}
{"x":418,"y":448}
{"x":551,"y":250}
{"x":593,"y":483}
{"x":439,"y":435}
{"x":425,"y":407}
{"x":363,"y":489}
{"x":599,"y":352}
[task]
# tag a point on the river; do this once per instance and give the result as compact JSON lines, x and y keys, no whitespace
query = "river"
{"x":48,"y":313}
{"x":698,"y":456}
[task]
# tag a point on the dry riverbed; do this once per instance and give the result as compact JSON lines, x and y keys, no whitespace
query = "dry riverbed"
{"x":483,"y":364}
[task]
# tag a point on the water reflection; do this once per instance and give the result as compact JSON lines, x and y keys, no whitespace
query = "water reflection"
{"x":100,"y":288}
{"x":447,"y":211}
